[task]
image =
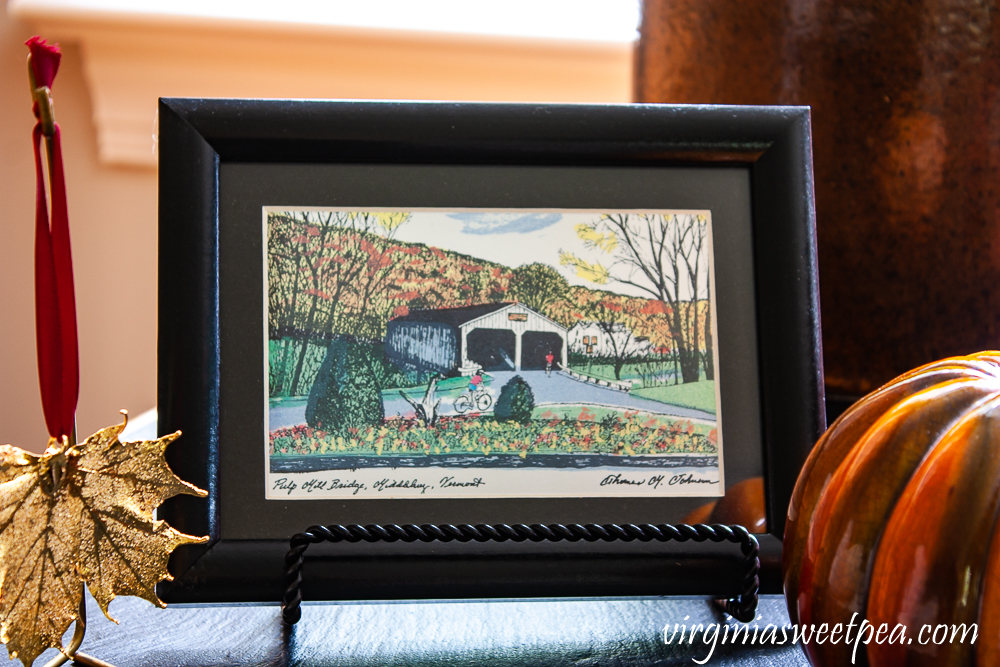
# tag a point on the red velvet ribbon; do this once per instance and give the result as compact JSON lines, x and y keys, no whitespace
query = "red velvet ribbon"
{"x":55,"y":304}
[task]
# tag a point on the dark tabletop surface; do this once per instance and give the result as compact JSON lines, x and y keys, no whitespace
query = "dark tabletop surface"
{"x":496,"y":633}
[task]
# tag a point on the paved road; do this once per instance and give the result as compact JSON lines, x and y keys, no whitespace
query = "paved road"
{"x":556,"y":389}
{"x":561,"y":388}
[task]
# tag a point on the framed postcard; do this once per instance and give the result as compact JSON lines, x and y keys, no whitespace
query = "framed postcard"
{"x":482,"y":353}
{"x":395,"y":313}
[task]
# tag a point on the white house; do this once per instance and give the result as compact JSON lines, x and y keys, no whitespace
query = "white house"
{"x":594,"y":340}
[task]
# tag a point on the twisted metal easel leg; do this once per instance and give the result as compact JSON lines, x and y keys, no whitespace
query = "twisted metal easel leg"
{"x":72,"y":652}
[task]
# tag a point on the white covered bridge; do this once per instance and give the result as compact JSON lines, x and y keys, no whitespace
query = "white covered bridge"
{"x":493,"y":336}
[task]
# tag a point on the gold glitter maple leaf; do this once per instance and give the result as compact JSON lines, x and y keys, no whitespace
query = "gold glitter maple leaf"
{"x":81,"y":514}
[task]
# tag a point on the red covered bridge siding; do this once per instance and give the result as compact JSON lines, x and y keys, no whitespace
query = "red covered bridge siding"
{"x":494,"y":336}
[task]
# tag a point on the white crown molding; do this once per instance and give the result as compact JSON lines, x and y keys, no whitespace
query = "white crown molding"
{"x":131,"y":59}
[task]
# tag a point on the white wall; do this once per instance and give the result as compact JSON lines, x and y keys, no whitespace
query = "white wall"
{"x":113,"y":228}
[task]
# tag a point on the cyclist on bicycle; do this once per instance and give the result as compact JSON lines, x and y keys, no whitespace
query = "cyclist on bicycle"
{"x":475,"y":381}
{"x":477,"y":397}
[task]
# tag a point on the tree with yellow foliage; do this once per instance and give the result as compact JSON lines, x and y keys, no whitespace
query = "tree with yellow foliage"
{"x":538,"y":286}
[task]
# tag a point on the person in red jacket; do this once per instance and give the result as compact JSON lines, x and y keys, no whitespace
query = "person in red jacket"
{"x":549,"y":358}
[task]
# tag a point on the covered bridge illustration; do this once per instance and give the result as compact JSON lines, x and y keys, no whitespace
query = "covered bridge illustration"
{"x":494,"y":336}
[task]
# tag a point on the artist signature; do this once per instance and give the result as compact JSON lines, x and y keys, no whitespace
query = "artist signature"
{"x":655,"y":481}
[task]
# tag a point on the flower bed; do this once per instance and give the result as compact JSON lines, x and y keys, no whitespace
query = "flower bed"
{"x":629,"y":436}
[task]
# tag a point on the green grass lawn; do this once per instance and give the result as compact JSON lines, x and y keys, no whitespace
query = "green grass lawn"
{"x":606,"y":371}
{"x":629,"y":371}
{"x":449,"y":388}
{"x":697,"y":395}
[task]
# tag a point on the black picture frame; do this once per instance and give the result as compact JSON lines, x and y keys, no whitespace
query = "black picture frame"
{"x":215,"y":154}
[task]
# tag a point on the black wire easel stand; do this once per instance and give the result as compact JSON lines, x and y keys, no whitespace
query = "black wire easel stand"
{"x":742,"y":607}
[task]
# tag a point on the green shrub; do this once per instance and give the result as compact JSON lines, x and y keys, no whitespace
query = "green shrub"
{"x":515,"y":403}
{"x":346,"y":391}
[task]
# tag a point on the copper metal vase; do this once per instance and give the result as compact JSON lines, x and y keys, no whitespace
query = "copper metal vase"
{"x":906,"y":133}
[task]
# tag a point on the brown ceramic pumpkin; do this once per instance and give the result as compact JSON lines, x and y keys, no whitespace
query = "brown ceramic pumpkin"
{"x":894,"y":518}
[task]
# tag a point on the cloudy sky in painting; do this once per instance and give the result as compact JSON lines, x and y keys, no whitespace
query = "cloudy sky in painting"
{"x":508,"y":238}
{"x":490,"y":223}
